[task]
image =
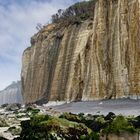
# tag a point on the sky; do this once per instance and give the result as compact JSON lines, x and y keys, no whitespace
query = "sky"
{"x":18,"y":20}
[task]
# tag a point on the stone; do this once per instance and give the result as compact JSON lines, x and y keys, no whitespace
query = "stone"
{"x":15,"y":130}
{"x":3,"y":122}
{"x":13,"y":107}
{"x":45,"y":127}
{"x":121,"y":136}
{"x":96,"y":59}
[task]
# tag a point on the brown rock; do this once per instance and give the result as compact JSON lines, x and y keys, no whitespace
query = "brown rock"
{"x":97,"y":59}
{"x":121,"y":136}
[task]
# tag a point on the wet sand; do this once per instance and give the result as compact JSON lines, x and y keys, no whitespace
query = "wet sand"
{"x":119,"y":106}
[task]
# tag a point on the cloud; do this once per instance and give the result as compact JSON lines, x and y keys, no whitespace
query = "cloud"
{"x":18,"y":19}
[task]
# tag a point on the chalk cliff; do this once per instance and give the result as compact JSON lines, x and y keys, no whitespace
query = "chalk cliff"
{"x":96,"y":59}
{"x":11,"y":94}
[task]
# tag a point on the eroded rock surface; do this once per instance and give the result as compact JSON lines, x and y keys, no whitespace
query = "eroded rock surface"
{"x":96,"y":59}
{"x":122,"y":136}
{"x":11,"y":94}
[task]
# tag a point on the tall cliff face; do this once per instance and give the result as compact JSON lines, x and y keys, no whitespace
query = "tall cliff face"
{"x":11,"y":94}
{"x":97,"y":59}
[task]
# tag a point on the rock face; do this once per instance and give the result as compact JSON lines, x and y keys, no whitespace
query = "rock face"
{"x":97,"y":59}
{"x":122,"y":136}
{"x":11,"y":94}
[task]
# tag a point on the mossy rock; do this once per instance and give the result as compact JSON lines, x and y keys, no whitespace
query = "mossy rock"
{"x":110,"y":116}
{"x":119,"y":124}
{"x":3,"y":123}
{"x":32,"y":111}
{"x":71,"y":117}
{"x":96,"y":124}
{"x":15,"y":130}
{"x":135,"y":122}
{"x":75,"y":127}
{"x":63,"y":128}
{"x":51,"y":128}
{"x":13,"y":107}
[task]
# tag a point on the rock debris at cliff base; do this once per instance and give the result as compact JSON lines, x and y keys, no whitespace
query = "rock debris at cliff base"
{"x":39,"y":122}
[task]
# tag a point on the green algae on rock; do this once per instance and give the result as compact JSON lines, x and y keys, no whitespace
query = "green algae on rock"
{"x":83,"y":127}
{"x":51,"y":128}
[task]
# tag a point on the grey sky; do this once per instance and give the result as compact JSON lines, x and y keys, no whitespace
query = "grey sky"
{"x":18,"y":19}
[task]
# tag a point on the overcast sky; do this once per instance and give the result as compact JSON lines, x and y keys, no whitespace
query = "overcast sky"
{"x":18,"y":20}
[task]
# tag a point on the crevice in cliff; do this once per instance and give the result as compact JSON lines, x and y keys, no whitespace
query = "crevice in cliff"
{"x":78,"y":83}
{"x":53,"y":58}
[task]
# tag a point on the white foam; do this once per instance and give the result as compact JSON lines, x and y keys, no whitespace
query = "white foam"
{"x":54,"y":103}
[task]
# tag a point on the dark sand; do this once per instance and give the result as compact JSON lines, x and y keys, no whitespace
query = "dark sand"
{"x":119,"y":106}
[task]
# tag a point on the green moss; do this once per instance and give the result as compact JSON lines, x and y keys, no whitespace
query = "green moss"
{"x":37,"y":119}
{"x":62,"y":123}
{"x":56,"y":122}
{"x":95,"y":135}
{"x":120,"y":123}
{"x":48,"y":127}
{"x":83,"y":127}
{"x":100,"y":120}
{"x":32,"y":111}
{"x":71,"y":117}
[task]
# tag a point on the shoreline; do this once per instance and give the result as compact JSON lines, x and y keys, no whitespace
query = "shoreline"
{"x":117,"y":106}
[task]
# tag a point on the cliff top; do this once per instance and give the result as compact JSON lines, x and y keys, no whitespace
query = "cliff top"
{"x":74,"y":14}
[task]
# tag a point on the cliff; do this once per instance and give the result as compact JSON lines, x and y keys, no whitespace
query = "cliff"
{"x":96,"y":59}
{"x":11,"y":94}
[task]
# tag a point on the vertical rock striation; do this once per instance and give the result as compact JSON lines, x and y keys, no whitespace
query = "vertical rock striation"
{"x":11,"y":94}
{"x":97,"y":59}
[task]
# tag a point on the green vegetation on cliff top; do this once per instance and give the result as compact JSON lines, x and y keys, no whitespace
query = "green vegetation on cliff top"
{"x":76,"y":13}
